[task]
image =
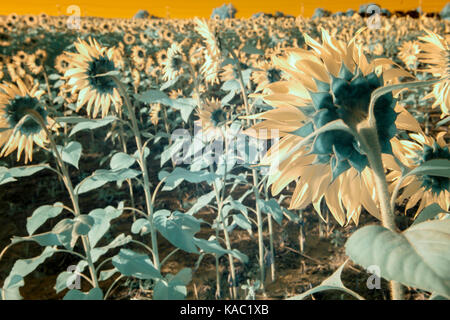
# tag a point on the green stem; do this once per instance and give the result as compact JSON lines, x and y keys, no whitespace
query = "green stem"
{"x":70,"y":189}
{"x":219,"y":200}
{"x":143,"y":164}
{"x":369,"y":141}
{"x":255,"y":178}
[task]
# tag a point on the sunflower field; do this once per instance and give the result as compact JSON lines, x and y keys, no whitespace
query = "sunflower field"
{"x":262,"y":158}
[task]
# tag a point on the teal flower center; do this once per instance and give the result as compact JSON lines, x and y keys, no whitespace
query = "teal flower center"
{"x":176,"y":63}
{"x":347,"y":97}
{"x":18,"y":108}
{"x":273,"y":75}
{"x":435,"y":184}
{"x":218,"y":117}
{"x":97,"y":67}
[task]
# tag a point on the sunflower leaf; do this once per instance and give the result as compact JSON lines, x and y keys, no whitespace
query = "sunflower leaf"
{"x":93,"y":294}
{"x":41,"y":215}
{"x":174,"y":231}
{"x":334,"y":282}
{"x":428,"y":213}
{"x":19,"y":271}
{"x":132,"y":264}
{"x":154,"y":96}
{"x":173,"y":287}
{"x":101,"y":177}
{"x":71,"y":153}
{"x":90,"y":124}
{"x":417,"y":257}
{"x":435,"y":167}
{"x":121,"y":160}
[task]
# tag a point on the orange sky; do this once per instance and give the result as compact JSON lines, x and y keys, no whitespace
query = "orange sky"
{"x":202,"y":8}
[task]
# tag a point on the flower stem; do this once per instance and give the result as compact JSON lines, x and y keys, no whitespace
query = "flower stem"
{"x":143,"y":164}
{"x":73,"y":196}
{"x":369,"y":140}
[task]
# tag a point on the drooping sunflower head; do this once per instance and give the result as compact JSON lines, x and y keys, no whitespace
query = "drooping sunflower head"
{"x":18,"y":129}
{"x":436,"y":56}
{"x":427,"y":188}
{"x":173,"y":65}
{"x":87,"y":76}
{"x":435,"y":184}
{"x":332,"y":82}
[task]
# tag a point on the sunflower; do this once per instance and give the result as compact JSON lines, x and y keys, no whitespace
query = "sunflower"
{"x":161,"y":56}
{"x":408,"y":54}
{"x":145,"y":39}
{"x":138,"y":55}
{"x":333,"y":81}
{"x":16,"y":134}
{"x":154,"y":113}
{"x":62,"y":63}
{"x":31,"y":20}
{"x":36,"y":61}
{"x":265,"y":74}
{"x":436,"y":54}
{"x":427,"y":189}
{"x":213,"y":58}
{"x":129,"y":39}
{"x":212,"y":119}
{"x":173,"y":65}
{"x":98,"y":92}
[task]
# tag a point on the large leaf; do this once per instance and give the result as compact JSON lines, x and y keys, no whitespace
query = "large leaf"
{"x":428,"y":213}
{"x":185,"y":106}
{"x":19,"y":271}
{"x":172,"y":229}
{"x":119,"y":241}
{"x":121,"y":160}
{"x":130,"y":263}
{"x":93,"y":294}
{"x":172,"y":150}
{"x":173,"y":287}
{"x":9,"y":175}
{"x":71,"y":153}
{"x":90,"y":124}
{"x":418,"y":257}
{"x":154,"y":96}
{"x":102,"y":221}
{"x":273,"y":208}
{"x":101,"y":177}
{"x":201,"y":202}
{"x":41,"y":215}
{"x":211,"y":246}
{"x":334,"y":282}
{"x":179,"y":174}
{"x":435,"y":167}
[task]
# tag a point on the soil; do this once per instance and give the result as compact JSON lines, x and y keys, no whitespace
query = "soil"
{"x":295,"y":271}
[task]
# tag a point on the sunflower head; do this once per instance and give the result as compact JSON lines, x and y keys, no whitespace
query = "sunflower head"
{"x":99,"y":66}
{"x":173,"y":65}
{"x":18,"y":130}
{"x":87,"y":76}
{"x":427,"y":189}
{"x":18,"y":107}
{"x":336,"y":83}
{"x":435,"y":184}
{"x":212,"y":119}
